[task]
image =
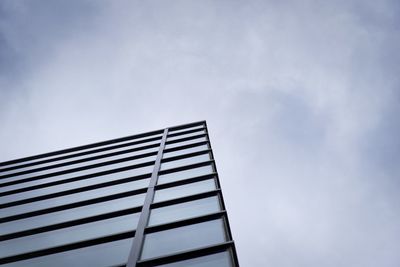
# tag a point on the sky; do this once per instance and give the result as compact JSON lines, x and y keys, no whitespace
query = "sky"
{"x":301,"y":99}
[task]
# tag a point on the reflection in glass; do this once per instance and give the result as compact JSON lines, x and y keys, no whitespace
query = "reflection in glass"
{"x":85,"y":195}
{"x":183,"y":238}
{"x":185,"y":161}
{"x":79,"y":173}
{"x":182,"y":175}
{"x":76,"y":165}
{"x":184,"y":190}
{"x":184,"y":143}
{"x":222,"y":259}
{"x":185,"y":135}
{"x":107,"y":254}
{"x":184,"y":210}
{"x":186,"y":129}
{"x":77,"y":184}
{"x":69,"y":235}
{"x":185,"y":151}
{"x":72,"y":214}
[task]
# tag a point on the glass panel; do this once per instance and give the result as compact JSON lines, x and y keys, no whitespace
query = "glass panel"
{"x":69,"y":235}
{"x":183,"y":238}
{"x":77,"y":184}
{"x":181,"y":175}
{"x":186,"y":129}
{"x":184,"y":210}
{"x":185,"y":135}
{"x":74,"y":174}
{"x":72,"y":214}
{"x":184,"y":190}
{"x":185,"y":161}
{"x":17,"y":177}
{"x":107,"y":254}
{"x":222,"y":259}
{"x":183,"y":143}
{"x":184,"y":151}
{"x":85,"y":195}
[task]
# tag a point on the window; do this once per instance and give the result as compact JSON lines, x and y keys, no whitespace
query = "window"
{"x":184,"y":190}
{"x":185,"y":174}
{"x":184,"y":210}
{"x":185,"y":161}
{"x":222,"y":259}
{"x":185,"y":151}
{"x":183,"y":238}
{"x":184,"y":143}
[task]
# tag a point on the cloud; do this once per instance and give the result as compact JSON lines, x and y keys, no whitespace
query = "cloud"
{"x":300,"y":97}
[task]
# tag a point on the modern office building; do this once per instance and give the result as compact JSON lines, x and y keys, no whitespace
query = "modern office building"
{"x":152,"y":199}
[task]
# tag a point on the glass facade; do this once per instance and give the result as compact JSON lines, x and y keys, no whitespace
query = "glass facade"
{"x":151,"y":199}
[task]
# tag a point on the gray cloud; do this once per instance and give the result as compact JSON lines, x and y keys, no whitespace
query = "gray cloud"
{"x":301,"y":99}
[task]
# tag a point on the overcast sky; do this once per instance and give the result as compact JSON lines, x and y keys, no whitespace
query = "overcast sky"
{"x":302,"y":101}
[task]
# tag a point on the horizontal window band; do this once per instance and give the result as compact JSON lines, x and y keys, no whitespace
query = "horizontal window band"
{"x":190,"y":254}
{"x":67,"y":224}
{"x":185,"y":146}
{"x":207,"y":151}
{"x":185,"y":139}
{"x":83,"y":177}
{"x":187,"y":167}
{"x":190,"y":221}
{"x":186,"y":132}
{"x":75,"y":190}
{"x":186,"y":181}
{"x":72,"y":205}
{"x":185,"y":199}
{"x":81,"y":160}
{"x":63,"y":248}
{"x":101,"y":164}
{"x":116,"y":141}
{"x":190,"y":125}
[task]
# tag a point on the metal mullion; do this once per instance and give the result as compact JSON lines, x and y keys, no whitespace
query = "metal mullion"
{"x":72,"y":205}
{"x":68,"y":150}
{"x":137,"y":245}
{"x":63,"y":248}
{"x":80,"y":160}
{"x":57,"y":226}
{"x":75,"y":190}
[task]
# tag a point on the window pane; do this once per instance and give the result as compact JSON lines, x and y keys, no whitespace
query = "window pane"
{"x":185,"y":151}
{"x":107,"y":254}
{"x":183,"y":143}
{"x":183,"y":238}
{"x":184,"y":210}
{"x":186,"y":129}
{"x":222,"y":259}
{"x":86,"y":163}
{"x":69,"y":235}
{"x":77,"y":184}
{"x":72,"y":214}
{"x":185,"y":161}
{"x":185,"y":135}
{"x":78,"y":173}
{"x":182,"y":175}
{"x":85,"y":195}
{"x":184,"y":190}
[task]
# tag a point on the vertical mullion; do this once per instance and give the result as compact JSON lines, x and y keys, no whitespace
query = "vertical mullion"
{"x":144,"y":215}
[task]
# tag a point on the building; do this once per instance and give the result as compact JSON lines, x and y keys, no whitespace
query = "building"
{"x":151,"y":199}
